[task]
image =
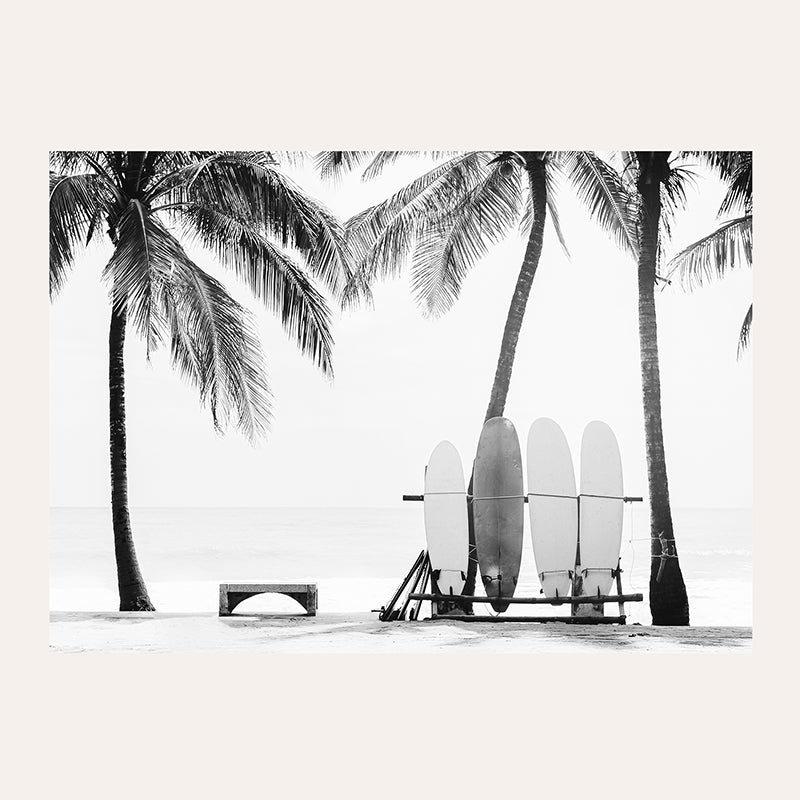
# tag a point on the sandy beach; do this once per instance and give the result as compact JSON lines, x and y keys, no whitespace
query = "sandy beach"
{"x":81,"y":632}
{"x":356,"y":557}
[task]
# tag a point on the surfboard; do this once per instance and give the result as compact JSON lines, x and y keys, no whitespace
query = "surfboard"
{"x":498,"y":509}
{"x":552,"y":506}
{"x":446,"y":528}
{"x":601,"y":507}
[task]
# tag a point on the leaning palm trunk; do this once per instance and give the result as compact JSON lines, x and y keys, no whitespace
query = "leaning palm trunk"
{"x":132,"y":590}
{"x":669,"y":604}
{"x":535,"y":170}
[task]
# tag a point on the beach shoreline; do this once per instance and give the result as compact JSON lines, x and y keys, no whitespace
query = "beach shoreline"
{"x":335,"y":632}
{"x":356,"y":557}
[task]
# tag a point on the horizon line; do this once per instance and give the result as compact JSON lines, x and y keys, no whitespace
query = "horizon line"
{"x":399,"y":504}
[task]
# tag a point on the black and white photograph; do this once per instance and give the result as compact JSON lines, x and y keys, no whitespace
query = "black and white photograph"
{"x":401,"y":401}
{"x":384,"y":410}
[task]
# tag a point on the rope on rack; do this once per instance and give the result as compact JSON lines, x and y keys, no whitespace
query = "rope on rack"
{"x":501,"y":497}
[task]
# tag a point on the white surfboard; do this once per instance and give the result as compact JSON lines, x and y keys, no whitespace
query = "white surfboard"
{"x":600,"y":508}
{"x":446,"y":527}
{"x":552,"y":506}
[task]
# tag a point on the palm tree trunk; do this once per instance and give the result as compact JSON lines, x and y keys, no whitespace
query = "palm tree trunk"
{"x":669,"y":604}
{"x":132,"y":590}
{"x":519,"y":302}
{"x":535,"y":168}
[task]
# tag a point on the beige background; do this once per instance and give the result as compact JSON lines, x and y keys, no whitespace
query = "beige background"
{"x":417,"y":75}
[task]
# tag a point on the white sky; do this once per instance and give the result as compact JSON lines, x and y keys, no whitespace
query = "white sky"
{"x":404,"y":382}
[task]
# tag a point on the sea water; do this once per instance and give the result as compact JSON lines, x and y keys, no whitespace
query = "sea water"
{"x":357,"y":557}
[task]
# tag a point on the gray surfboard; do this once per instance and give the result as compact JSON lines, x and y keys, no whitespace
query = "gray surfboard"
{"x":498,"y":509}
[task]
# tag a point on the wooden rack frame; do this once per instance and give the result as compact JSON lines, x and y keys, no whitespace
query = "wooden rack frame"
{"x":420,"y":574}
{"x":583,"y":600}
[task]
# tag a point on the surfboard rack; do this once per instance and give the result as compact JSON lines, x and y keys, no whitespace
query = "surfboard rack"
{"x":420,"y":575}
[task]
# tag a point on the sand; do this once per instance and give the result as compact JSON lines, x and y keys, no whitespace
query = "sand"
{"x":158,"y":632}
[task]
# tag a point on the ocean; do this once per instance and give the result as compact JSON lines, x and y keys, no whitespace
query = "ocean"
{"x":357,"y":556}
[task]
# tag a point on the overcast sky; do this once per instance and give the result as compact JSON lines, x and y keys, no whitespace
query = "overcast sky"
{"x":404,"y":382}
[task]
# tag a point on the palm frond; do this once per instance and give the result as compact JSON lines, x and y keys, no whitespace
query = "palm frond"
{"x":673,"y":197}
{"x":230,"y":180}
{"x":740,"y":190}
{"x":744,"y":333}
{"x":387,"y":157}
{"x":107,"y":173}
{"x":526,"y":217}
{"x":75,"y":204}
{"x":111,"y":165}
{"x":381,"y":237}
{"x":139,"y":269}
{"x":66,"y":162}
{"x":293,"y":158}
{"x":712,"y":256}
{"x":184,"y":351}
{"x":722,"y":162}
{"x":552,"y":172}
{"x":272,"y":276}
{"x":173,"y":183}
{"x":357,"y":293}
{"x":214,"y":345}
{"x":601,"y":189}
{"x":296,"y":220}
{"x":330,"y":260}
{"x":332,"y":165}
{"x":384,"y":158}
{"x":250,"y":186}
{"x":735,"y":167}
{"x":448,"y":246}
{"x":626,"y":164}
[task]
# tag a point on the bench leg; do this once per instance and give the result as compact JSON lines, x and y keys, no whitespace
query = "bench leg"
{"x":311,"y":602}
{"x":224,"y":611}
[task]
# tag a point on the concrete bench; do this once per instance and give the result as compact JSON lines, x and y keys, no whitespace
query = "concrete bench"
{"x":231,"y":594}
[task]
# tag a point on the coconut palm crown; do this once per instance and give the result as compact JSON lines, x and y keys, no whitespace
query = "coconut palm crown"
{"x":444,"y":222}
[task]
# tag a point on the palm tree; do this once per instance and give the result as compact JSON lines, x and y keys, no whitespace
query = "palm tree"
{"x":651,"y":188}
{"x":731,"y":244}
{"x":655,"y":182}
{"x":244,"y":210}
{"x":446,"y":220}
{"x":669,"y":603}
